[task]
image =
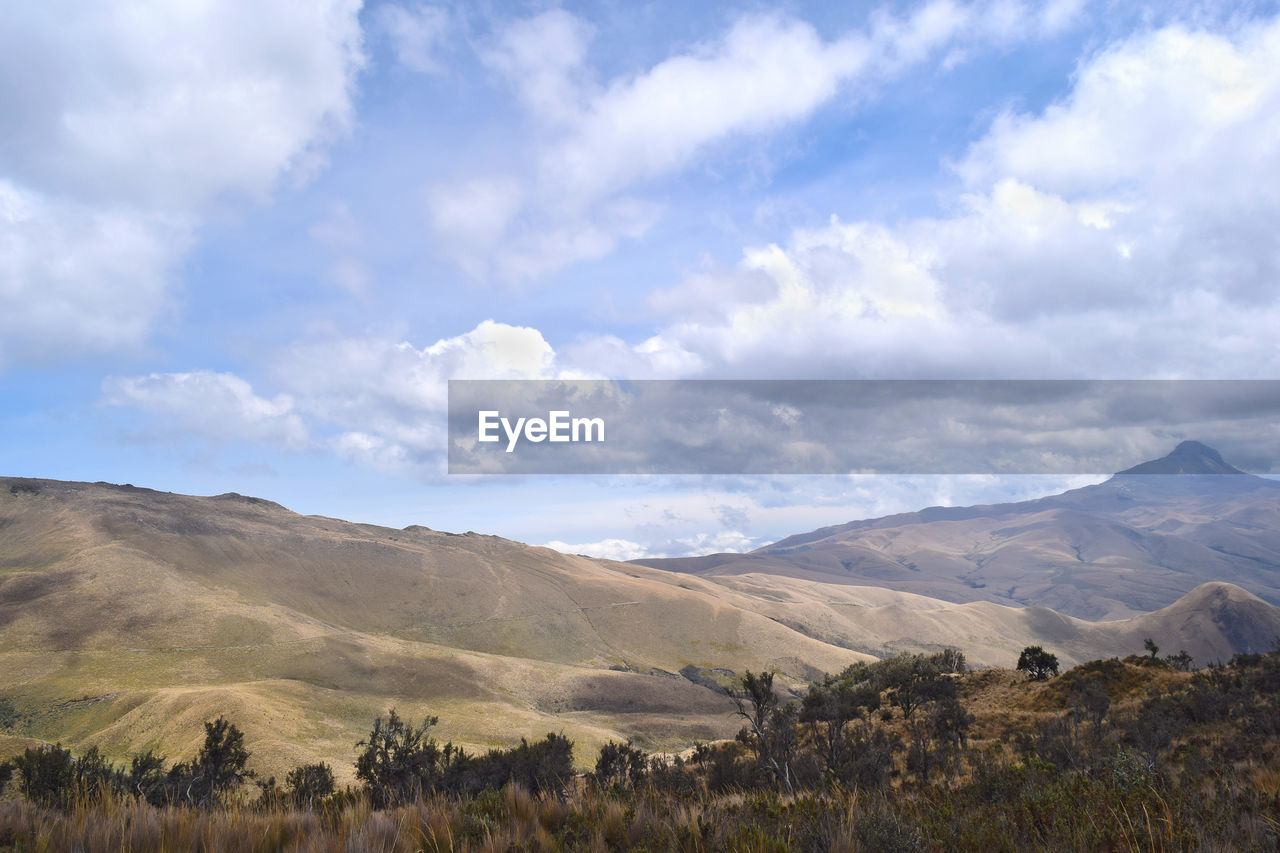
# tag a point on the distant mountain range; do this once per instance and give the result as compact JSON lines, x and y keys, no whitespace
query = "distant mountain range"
{"x":1133,"y":544}
{"x":130,"y":616}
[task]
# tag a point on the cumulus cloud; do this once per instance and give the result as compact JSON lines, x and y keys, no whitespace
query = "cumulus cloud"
{"x":728,"y":542}
{"x":1147,"y":112}
{"x":375,"y":401}
{"x":77,"y":278}
{"x":1123,"y":231}
{"x":217,"y":405}
{"x":385,"y":400}
{"x":671,"y":517}
{"x":1079,"y":243}
{"x":601,"y":141}
{"x":607,"y":549}
{"x":121,"y":135}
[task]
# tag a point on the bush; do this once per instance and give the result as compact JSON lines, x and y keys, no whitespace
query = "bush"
{"x":9,"y":716}
{"x":399,"y":762}
{"x":309,"y":784}
{"x":886,"y":832}
{"x":869,"y":762}
{"x":52,"y":776}
{"x":147,"y":779}
{"x":620,"y":766}
{"x":543,"y":766}
{"x":46,"y":775}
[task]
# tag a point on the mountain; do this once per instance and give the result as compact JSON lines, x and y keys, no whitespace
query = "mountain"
{"x":130,"y":616}
{"x":1130,"y":545}
{"x":1189,"y":457}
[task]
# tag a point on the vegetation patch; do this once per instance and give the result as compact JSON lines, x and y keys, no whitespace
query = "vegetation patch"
{"x":910,"y":753}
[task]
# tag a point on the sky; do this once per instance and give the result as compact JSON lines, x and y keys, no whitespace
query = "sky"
{"x":245,"y":245}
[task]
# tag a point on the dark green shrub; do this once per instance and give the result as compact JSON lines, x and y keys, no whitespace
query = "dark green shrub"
{"x":52,"y":776}
{"x":620,"y":766}
{"x":309,"y":784}
{"x":399,"y":762}
{"x":218,"y":769}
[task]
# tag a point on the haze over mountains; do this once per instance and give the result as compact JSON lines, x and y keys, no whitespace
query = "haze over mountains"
{"x":1133,"y":544}
{"x":129,"y":616}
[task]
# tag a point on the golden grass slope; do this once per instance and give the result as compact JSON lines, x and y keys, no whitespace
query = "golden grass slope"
{"x":128,"y":617}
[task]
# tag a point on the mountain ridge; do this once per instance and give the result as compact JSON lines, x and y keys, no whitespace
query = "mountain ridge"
{"x":128,"y":616}
{"x":1131,"y":544}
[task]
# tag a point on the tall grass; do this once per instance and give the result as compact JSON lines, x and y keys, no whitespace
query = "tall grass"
{"x":1014,"y":807}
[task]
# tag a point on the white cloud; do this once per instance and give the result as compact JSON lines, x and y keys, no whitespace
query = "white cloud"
{"x":374,"y":401}
{"x":1080,"y":244}
{"x":597,"y":142}
{"x":473,"y":213}
{"x":218,"y":405}
{"x":672,"y":516}
{"x":960,"y":28}
{"x":536,"y":251}
{"x":606,"y":549}
{"x":74,"y":278}
{"x":169,"y":104}
{"x":1124,"y":231}
{"x":1172,"y":108}
{"x":543,"y":58}
{"x":764,"y":73}
{"x":386,"y":399}
{"x":122,"y":124}
{"x":723,"y":542}
{"x":418,"y":35}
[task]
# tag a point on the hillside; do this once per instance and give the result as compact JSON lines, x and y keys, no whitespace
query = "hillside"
{"x":129,"y":616}
{"x":1135,"y":543}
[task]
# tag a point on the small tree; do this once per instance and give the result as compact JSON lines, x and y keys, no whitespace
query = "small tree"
{"x":47,"y":775}
{"x":828,"y":709}
{"x":1089,"y":701}
{"x":1151,"y":647}
{"x":770,"y":728}
{"x":542,"y":766}
{"x":913,"y":681}
{"x":1181,"y":661}
{"x":95,"y":775}
{"x":308,"y":783}
{"x":620,"y":766}
{"x":1037,"y":663}
{"x":146,"y":778}
{"x":219,"y":767}
{"x":398,"y":762}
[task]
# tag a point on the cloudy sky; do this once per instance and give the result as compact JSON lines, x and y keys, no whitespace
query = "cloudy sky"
{"x":243,"y":245}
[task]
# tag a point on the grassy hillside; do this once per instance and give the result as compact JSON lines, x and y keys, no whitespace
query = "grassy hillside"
{"x":1131,"y":545}
{"x":1115,"y":754}
{"x":128,"y":617}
